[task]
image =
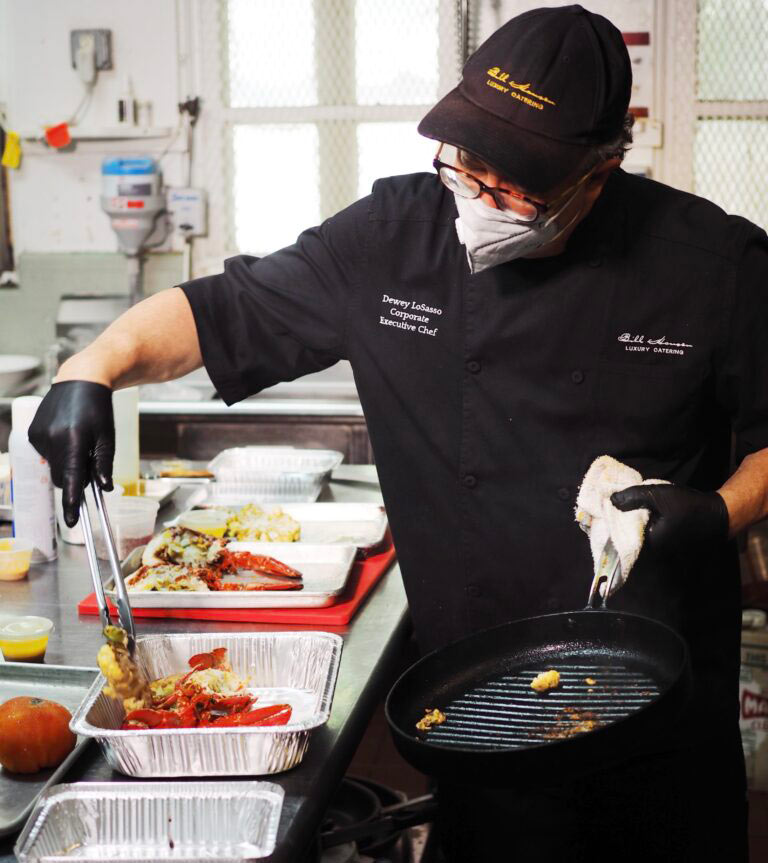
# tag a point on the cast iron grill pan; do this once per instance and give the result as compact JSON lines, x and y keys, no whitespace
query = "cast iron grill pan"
{"x":498,"y":731}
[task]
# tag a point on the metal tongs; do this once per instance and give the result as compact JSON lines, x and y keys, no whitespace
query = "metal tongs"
{"x":124,"y":614}
{"x":605,"y":572}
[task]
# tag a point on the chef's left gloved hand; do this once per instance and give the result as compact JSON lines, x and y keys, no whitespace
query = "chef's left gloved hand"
{"x":682,"y":519}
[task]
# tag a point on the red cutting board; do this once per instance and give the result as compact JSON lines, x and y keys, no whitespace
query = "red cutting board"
{"x":364,"y":575}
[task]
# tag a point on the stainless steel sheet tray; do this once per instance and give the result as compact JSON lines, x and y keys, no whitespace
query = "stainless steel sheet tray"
{"x":298,"y":668}
{"x":325,"y":570}
{"x":274,"y":474}
{"x":361,"y":524}
{"x":67,"y":686}
{"x":143,"y":822}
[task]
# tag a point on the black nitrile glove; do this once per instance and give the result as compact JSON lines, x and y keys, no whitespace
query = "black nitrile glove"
{"x":682,"y":519}
{"x":75,"y":431}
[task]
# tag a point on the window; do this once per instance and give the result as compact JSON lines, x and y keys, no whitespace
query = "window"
{"x":320,"y":98}
{"x":716,"y":137}
{"x":730,"y":157}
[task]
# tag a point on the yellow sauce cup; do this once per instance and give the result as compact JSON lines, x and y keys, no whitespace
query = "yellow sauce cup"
{"x":208,"y":521}
{"x":15,"y":557}
{"x":25,"y":639}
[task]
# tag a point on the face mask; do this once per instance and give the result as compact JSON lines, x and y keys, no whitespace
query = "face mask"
{"x":493,"y":237}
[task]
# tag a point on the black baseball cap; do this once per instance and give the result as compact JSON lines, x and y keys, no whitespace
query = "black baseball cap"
{"x":537,"y":95}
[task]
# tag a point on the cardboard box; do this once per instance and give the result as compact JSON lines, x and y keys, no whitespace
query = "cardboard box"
{"x":753,"y":697}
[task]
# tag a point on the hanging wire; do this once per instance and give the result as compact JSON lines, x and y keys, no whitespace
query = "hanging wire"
{"x":82,"y":108}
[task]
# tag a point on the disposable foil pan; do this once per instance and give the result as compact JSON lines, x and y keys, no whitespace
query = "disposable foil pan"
{"x":149,"y":821}
{"x":273,"y":474}
{"x":298,"y":668}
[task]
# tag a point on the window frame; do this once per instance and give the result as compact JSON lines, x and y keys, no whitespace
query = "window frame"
{"x":206,"y":66}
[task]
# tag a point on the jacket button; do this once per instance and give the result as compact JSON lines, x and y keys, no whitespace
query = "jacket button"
{"x":469,"y":481}
{"x":473,"y":366}
{"x":577,"y":376}
{"x":474,"y":590}
{"x":564,"y":493}
{"x":596,"y":261}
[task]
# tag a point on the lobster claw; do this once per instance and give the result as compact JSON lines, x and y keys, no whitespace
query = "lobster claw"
{"x":217,"y":658}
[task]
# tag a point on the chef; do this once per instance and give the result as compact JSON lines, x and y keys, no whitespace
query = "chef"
{"x":527,"y":308}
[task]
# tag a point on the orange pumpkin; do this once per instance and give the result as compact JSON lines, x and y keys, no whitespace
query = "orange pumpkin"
{"x":34,"y":734}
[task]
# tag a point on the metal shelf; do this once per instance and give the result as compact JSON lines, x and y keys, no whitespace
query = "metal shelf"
{"x":108,"y":133}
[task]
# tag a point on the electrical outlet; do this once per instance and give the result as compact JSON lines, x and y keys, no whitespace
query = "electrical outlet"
{"x":100,"y":40}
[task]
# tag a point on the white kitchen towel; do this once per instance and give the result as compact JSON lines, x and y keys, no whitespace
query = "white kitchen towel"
{"x":602,"y":521}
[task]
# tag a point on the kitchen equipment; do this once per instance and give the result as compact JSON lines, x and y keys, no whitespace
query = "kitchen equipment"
{"x":374,"y":817}
{"x":144,"y":822}
{"x":270,"y":474}
{"x":65,"y":685}
{"x":361,"y":524}
{"x":79,"y":319}
{"x":298,"y":668}
{"x":14,"y":370}
{"x":132,"y":197}
{"x":324,"y":568}
{"x":624,"y":678}
{"x":123,"y":605}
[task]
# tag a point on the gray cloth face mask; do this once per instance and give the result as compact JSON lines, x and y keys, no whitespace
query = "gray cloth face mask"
{"x":492,"y":236}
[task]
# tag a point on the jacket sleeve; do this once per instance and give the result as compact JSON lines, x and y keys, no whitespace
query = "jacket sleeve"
{"x":272,"y":319}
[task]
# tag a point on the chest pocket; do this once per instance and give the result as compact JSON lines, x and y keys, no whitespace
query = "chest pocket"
{"x":648,"y":412}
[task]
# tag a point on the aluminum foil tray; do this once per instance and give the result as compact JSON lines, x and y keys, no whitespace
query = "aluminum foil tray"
{"x":273,"y":474}
{"x":149,"y":821}
{"x":298,"y":668}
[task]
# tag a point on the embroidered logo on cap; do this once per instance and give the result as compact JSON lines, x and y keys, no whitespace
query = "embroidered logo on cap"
{"x":521,"y":92}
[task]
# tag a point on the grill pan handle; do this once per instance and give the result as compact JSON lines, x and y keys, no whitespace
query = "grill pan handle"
{"x":605,"y":574}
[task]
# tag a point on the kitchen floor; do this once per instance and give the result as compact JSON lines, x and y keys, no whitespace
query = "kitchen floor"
{"x":377,"y":759}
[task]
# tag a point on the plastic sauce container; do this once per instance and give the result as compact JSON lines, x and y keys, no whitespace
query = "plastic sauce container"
{"x":15,"y":557}
{"x":24,"y":639}
{"x":208,"y":521}
{"x":133,"y":522}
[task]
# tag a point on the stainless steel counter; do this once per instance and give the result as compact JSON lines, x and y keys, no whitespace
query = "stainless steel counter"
{"x":257,"y":406}
{"x":372,"y":646}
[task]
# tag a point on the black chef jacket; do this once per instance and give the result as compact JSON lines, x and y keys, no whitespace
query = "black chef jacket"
{"x":488,"y":396}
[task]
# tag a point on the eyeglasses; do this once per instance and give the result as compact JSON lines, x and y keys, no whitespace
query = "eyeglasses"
{"x":467,"y":185}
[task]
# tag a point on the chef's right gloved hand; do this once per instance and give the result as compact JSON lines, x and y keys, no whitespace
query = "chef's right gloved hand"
{"x":75,"y":431}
